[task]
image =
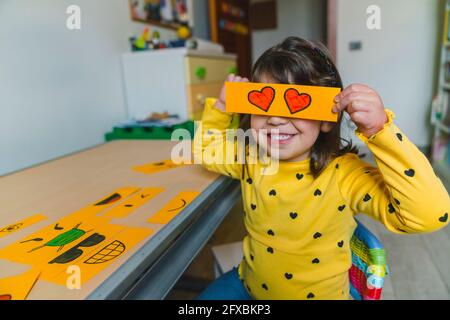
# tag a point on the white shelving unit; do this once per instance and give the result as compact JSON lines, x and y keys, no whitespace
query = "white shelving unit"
{"x":440,"y":117}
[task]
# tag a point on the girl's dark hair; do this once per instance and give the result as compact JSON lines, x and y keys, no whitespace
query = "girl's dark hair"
{"x":299,"y":61}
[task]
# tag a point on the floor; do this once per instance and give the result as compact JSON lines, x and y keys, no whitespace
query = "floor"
{"x":419,"y":264}
{"x":201,"y":271}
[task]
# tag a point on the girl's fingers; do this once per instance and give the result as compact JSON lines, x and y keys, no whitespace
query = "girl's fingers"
{"x":235,"y":78}
{"x":361,"y":88}
{"x":360,"y":105}
{"x":358,"y":96}
{"x":354,"y":106}
{"x":360,"y":117}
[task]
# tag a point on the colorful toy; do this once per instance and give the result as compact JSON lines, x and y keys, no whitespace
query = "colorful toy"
{"x":156,"y":40}
{"x":141,"y":43}
{"x":183,"y":33}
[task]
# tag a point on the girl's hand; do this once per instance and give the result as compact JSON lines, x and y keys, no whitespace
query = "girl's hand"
{"x":364,"y":106}
{"x":220,"y":103}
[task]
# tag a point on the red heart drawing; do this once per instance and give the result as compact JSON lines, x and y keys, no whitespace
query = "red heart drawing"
{"x":262,"y":99}
{"x":297,"y":101}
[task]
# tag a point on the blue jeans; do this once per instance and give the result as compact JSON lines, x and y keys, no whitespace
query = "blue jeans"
{"x":226,"y":287}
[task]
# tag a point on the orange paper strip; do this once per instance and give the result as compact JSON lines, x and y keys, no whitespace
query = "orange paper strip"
{"x":157,"y":167}
{"x":133,"y":203}
{"x":4,"y":231}
{"x":174,"y":207}
{"x":83,"y":238}
{"x":282,"y":100}
{"x":18,"y":287}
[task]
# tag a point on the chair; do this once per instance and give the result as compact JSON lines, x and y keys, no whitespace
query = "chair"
{"x":369,"y":266}
{"x":366,"y":273}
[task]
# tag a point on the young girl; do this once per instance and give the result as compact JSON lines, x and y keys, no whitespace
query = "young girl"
{"x":300,"y":220}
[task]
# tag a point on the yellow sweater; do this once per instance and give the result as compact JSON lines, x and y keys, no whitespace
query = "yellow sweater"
{"x":299,"y":227}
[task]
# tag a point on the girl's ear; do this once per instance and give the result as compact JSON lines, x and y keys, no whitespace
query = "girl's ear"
{"x":326,"y":126}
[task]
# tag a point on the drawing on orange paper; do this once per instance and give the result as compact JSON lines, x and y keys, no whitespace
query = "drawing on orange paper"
{"x":86,"y":231}
{"x":108,"y":253}
{"x":157,"y":167}
{"x":173,"y":207}
{"x":21,"y":225}
{"x":61,"y":240}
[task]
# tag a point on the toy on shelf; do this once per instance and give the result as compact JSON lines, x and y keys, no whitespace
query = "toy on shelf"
{"x":146,"y":42}
{"x":141,"y":43}
{"x":183,"y":33}
{"x":156,"y":40}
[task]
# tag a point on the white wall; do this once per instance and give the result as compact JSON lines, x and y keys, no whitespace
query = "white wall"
{"x":399,"y":60}
{"x":60,"y":90}
{"x":301,"y":18}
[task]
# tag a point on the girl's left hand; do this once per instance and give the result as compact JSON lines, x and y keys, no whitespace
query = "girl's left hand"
{"x":364,"y":106}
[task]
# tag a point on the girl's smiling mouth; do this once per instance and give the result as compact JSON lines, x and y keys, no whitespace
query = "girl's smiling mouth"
{"x":280,"y":138}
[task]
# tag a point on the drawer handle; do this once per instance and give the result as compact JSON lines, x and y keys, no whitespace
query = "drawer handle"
{"x":201,"y":98}
{"x":200,"y":72}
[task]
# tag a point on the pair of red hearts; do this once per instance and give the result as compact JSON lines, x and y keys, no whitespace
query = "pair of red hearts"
{"x":295,"y":100}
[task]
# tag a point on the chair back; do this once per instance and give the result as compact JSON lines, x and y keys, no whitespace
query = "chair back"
{"x":369,"y":266}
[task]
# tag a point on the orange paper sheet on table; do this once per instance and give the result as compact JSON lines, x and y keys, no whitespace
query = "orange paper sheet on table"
{"x":4,"y":231}
{"x":157,"y":167}
{"x":18,"y":287}
{"x":173,"y":207}
{"x":53,"y":239}
{"x":282,"y":100}
{"x":86,"y":237}
{"x":133,"y":203}
{"x":112,"y":243}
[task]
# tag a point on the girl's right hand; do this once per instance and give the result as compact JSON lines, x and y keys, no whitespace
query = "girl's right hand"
{"x":220,"y":103}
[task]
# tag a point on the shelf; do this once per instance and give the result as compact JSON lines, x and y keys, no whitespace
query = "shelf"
{"x":162,"y":24}
{"x":443,"y":127}
{"x":446,"y":86}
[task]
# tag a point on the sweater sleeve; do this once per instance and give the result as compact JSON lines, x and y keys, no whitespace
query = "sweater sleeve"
{"x":211,"y":147}
{"x":403,"y":193}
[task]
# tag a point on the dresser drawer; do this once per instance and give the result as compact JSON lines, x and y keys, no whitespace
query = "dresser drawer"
{"x":197,"y":95}
{"x":200,"y":70}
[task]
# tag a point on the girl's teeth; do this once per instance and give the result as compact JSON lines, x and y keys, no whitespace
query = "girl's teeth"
{"x":280,"y":137}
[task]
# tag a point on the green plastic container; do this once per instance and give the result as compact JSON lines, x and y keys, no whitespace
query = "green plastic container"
{"x":148,"y":133}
